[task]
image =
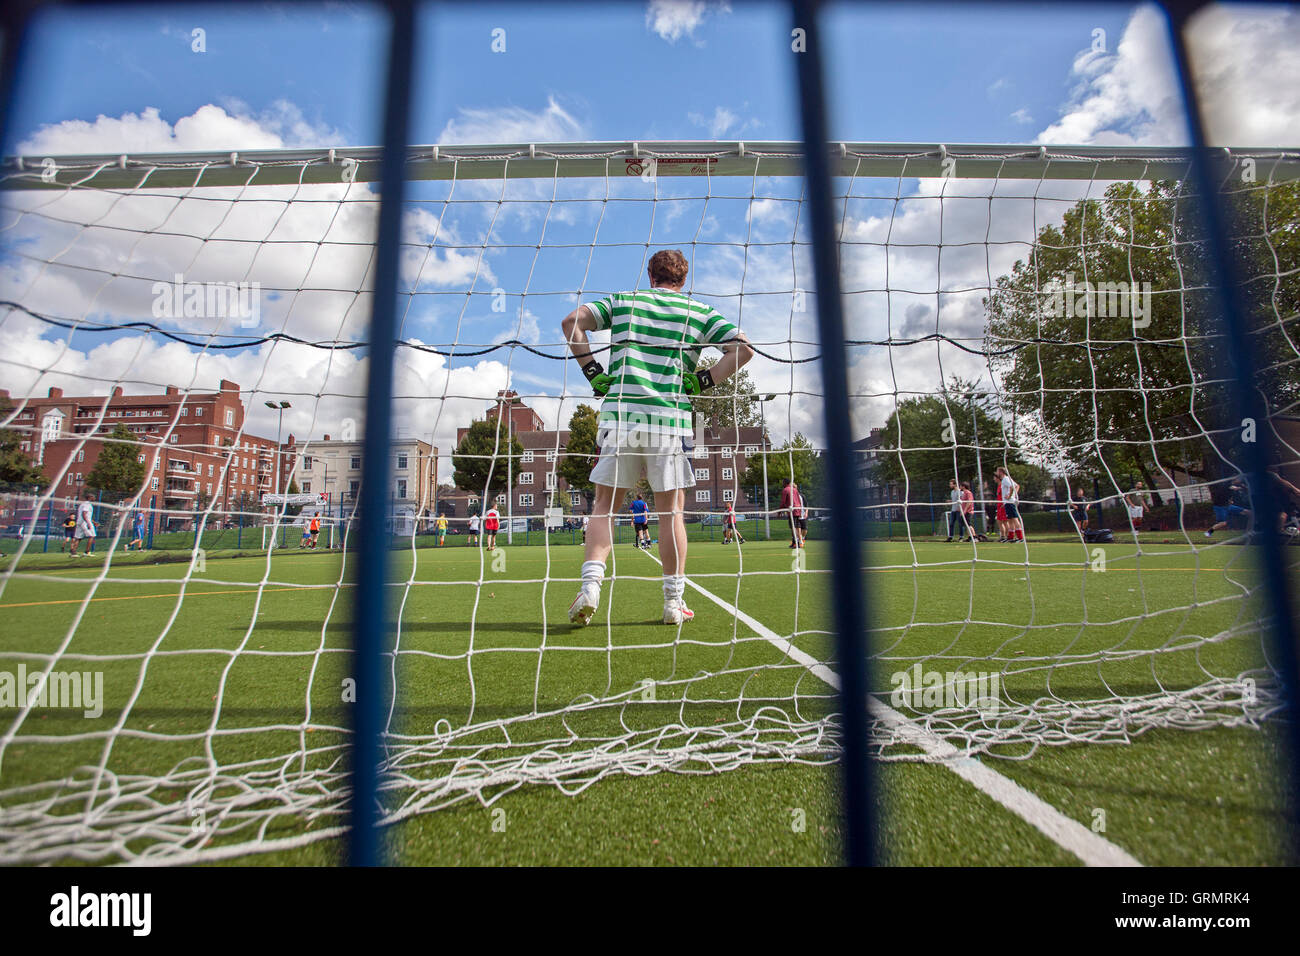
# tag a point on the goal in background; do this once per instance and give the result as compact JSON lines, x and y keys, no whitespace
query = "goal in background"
{"x":963,"y":272}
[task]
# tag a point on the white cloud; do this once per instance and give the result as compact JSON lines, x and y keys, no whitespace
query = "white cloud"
{"x":724,"y":123}
{"x":1022,"y":116}
{"x":674,"y":19}
{"x":1247,"y":64}
{"x":208,"y":128}
{"x":513,"y":124}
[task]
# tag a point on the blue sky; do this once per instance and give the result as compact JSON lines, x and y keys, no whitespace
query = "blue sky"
{"x":298,"y":76}
{"x":906,"y":73}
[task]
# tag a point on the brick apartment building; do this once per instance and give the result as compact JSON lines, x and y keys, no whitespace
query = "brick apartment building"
{"x":720,"y":459}
{"x":185,"y":441}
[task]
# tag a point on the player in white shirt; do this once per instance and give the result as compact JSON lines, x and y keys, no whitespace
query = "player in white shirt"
{"x":473,"y":529}
{"x":1011,"y":505}
{"x":1137,"y":501}
{"x":85,"y":530}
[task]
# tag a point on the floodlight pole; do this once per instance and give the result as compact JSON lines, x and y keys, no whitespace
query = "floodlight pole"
{"x":767,"y":514}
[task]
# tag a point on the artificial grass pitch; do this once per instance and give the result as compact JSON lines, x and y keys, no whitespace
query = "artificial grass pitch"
{"x":1168,"y":796}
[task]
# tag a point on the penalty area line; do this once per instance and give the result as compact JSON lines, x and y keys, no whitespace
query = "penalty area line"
{"x":1069,"y":834}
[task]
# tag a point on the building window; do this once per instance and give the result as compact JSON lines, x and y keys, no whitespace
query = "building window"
{"x":352,"y":488}
{"x":306,"y":462}
{"x":575,"y":498}
{"x":355,"y":461}
{"x":472,"y":501}
{"x":550,"y":481}
{"x":728,"y":495}
{"x":701,"y":474}
{"x":526,"y":478}
{"x":401,"y":487}
{"x":198,"y":412}
{"x":154,"y":484}
{"x":727,"y":474}
{"x":230,"y":418}
{"x":702,"y":451}
{"x":726,"y":453}
{"x":70,"y":479}
{"x":173,"y":439}
{"x":702,"y":495}
{"x":209,"y":470}
{"x":751,"y":449}
{"x":81,"y":454}
{"x":209,"y":488}
{"x":501,"y":499}
{"x":527,"y":458}
{"x":401,"y":462}
{"x":550,"y":456}
{"x":306,"y":488}
{"x":525,"y":501}
{"x":185,"y":412}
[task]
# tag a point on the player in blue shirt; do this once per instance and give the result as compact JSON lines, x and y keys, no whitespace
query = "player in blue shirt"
{"x":641,"y":521}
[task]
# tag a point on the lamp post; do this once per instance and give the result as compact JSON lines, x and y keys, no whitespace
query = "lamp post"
{"x":278,"y":407}
{"x":767,"y":515}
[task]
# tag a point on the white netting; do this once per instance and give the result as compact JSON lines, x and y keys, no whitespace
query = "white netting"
{"x":225,"y":720}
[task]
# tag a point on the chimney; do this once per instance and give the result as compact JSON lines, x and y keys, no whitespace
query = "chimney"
{"x":327,"y":437}
{"x":173,"y":390}
{"x":228,"y":386}
{"x":117,"y":391}
{"x":55,"y":392}
{"x":290,"y":443}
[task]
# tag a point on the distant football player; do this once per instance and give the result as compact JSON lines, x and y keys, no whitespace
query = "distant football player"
{"x":491,"y":524}
{"x":440,"y":530}
{"x":729,"y":530}
{"x":69,"y":531}
{"x":85,"y":527}
{"x":1138,"y":501}
{"x":1228,"y":501}
{"x":1011,"y":504}
{"x":792,"y":507}
{"x":1079,"y":511}
{"x":137,"y":533}
{"x":472,"y":537}
{"x":641,"y":521}
{"x":645,"y":425}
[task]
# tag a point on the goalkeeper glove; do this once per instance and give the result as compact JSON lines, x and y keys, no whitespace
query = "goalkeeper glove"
{"x":600,"y":382}
{"x":695,"y":382}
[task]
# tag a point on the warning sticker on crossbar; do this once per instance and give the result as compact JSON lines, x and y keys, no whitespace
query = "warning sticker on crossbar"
{"x":672,"y":165}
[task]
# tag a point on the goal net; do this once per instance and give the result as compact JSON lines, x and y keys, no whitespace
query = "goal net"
{"x":187,"y":339}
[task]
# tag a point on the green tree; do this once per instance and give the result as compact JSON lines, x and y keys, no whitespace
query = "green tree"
{"x":579,"y":455}
{"x":15,"y":466}
{"x":480,"y":464}
{"x":1138,"y":396}
{"x":730,"y":404}
{"x":930,"y":439}
{"x":118,"y":469}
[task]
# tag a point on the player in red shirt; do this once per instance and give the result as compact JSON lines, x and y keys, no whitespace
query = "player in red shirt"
{"x":491,"y":524}
{"x":729,"y":529}
{"x":792,"y":505}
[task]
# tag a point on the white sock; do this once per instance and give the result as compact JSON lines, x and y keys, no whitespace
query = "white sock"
{"x":593,"y":573}
{"x":674,"y":587}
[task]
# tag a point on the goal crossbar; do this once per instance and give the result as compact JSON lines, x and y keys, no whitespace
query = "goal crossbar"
{"x":276,"y":167}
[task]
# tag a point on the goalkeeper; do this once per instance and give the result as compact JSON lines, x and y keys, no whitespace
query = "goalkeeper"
{"x":644,"y":428}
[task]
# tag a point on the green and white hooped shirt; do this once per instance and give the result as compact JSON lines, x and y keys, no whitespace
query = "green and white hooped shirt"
{"x":655,"y":336}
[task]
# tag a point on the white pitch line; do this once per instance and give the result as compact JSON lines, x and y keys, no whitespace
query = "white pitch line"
{"x":1071,"y":835}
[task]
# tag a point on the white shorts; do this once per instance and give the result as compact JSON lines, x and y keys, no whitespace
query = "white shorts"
{"x":1135,"y":513}
{"x":661,"y":460}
